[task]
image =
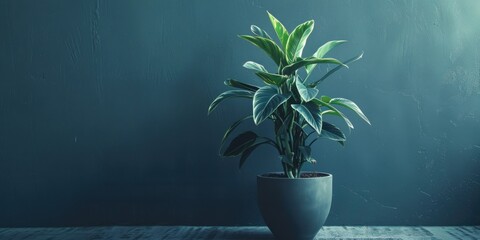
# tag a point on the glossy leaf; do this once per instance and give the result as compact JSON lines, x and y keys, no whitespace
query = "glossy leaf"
{"x":297,"y":40}
{"x":246,"y":153}
{"x":280,"y":30}
{"x":268,"y":46}
{"x":291,"y":68}
{"x":283,"y":126}
{"x":332,"y":132}
{"x":265,"y":101}
{"x":325,"y":98}
{"x":311,"y":113}
{"x":306,"y":152}
{"x":254,"y":66}
{"x":321,"y":51}
{"x":287,"y":159}
{"x":350,"y":105}
{"x":306,"y":93}
{"x":333,"y":111}
{"x":259,"y":32}
{"x":240,"y":144}
{"x":336,"y":69}
{"x":232,"y":127}
{"x":271,"y":78}
{"x":241,"y":85}
{"x":229,"y":94}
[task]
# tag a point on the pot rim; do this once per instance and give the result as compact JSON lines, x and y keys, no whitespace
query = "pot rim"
{"x":325,"y":175}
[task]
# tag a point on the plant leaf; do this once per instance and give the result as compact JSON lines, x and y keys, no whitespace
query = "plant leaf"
{"x":259,"y":32}
{"x":350,"y":105}
{"x":254,"y":66}
{"x":268,"y":46}
{"x":265,"y":101}
{"x":325,"y":98}
{"x":322,"y":50}
{"x":283,"y":125}
{"x":241,"y":85}
{"x":306,"y":93}
{"x":336,"y":69}
{"x":246,"y":153}
{"x":229,"y":94}
{"x":280,"y":30}
{"x":240,"y":144}
{"x":231,"y":128}
{"x":306,"y":151}
{"x":332,"y":132}
{"x":311,"y":113}
{"x":291,"y":68}
{"x":271,"y":78}
{"x":333,"y":111}
{"x":297,"y":40}
{"x":288,"y":159}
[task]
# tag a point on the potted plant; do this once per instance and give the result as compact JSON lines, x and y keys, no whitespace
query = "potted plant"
{"x":294,"y":204}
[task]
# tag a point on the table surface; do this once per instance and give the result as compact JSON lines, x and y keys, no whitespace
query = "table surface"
{"x":235,"y":233}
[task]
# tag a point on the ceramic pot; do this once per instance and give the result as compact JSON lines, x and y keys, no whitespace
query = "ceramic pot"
{"x":294,"y":208}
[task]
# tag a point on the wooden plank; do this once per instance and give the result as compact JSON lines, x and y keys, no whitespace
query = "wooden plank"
{"x":235,"y":233}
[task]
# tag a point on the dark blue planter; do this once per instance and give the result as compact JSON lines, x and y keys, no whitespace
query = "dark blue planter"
{"x":294,"y":208}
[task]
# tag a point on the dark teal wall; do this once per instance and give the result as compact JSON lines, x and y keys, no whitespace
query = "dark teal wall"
{"x":103,"y":111}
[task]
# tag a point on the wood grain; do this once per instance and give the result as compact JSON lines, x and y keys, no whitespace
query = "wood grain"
{"x":234,"y":233}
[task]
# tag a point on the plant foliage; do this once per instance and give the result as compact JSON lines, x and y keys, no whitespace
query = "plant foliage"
{"x":292,"y":104}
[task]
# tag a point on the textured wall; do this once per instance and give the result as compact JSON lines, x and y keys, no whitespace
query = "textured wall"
{"x":103,"y":111}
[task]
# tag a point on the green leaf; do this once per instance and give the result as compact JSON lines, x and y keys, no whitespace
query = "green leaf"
{"x":241,"y":85}
{"x":259,"y":32}
{"x":246,"y":153}
{"x":332,"y":132}
{"x":306,"y":93}
{"x":288,"y":159}
{"x":350,"y":105}
{"x":297,"y":40}
{"x":254,"y":66}
{"x":271,"y":78}
{"x":265,"y":101}
{"x":306,"y":152}
{"x":267,"y":45}
{"x":232,"y":127}
{"x":291,"y":68}
{"x":311,"y":113}
{"x":325,"y":98}
{"x":321,"y":51}
{"x":336,"y":69}
{"x":229,"y":94}
{"x":280,"y":30}
{"x":333,"y":111}
{"x":284,"y":125}
{"x":240,"y":144}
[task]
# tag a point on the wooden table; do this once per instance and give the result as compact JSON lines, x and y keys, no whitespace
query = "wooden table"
{"x":233,"y":233}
